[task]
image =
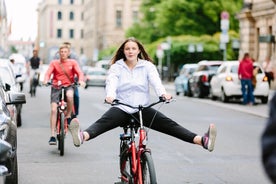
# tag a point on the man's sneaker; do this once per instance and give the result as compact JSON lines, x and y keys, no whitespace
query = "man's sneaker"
{"x":208,"y":140}
{"x":74,"y":128}
{"x":52,"y":141}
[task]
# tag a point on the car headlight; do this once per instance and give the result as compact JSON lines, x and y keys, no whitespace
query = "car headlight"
{"x":4,"y":119}
{"x":4,"y":131}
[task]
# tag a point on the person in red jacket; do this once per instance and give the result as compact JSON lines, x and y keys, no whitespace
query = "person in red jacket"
{"x":63,"y":71}
{"x":245,"y":73}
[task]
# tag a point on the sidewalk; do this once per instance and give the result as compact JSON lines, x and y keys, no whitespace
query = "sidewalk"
{"x":261,"y":110}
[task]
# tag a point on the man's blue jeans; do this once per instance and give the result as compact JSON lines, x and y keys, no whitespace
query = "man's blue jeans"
{"x":247,"y":91}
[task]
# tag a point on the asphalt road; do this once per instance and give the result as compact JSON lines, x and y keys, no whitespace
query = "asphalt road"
{"x":236,"y":158}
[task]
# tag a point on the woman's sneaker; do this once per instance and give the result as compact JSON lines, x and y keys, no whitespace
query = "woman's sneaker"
{"x":208,"y":140}
{"x":74,"y":128}
{"x":52,"y":141}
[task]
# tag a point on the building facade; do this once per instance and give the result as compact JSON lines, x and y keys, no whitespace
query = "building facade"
{"x":4,"y":30}
{"x":257,"y":22}
{"x":59,"y":21}
{"x":89,"y":25}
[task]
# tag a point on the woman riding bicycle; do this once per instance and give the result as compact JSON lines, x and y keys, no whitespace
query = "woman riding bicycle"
{"x":63,"y":71}
{"x":129,"y":79}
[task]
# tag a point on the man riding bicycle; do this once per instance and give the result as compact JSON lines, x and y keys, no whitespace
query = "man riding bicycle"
{"x":63,"y":71}
{"x":33,"y":66}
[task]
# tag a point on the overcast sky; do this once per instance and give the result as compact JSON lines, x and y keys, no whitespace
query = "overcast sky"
{"x":23,"y":15}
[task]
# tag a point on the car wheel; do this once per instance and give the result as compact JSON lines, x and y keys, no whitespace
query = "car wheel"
{"x":212,"y":96}
{"x":224,"y":97}
{"x":185,"y":93}
{"x":200,"y":93}
{"x":264,"y":99}
{"x":189,"y":92}
{"x":13,"y":178}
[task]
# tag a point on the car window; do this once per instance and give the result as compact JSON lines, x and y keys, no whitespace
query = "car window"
{"x":259,"y":70}
{"x":222,"y":70}
{"x":234,"y":69}
{"x":96,"y":73}
{"x":192,"y":70}
{"x":213,"y":67}
{"x":183,"y":71}
{"x":202,"y":68}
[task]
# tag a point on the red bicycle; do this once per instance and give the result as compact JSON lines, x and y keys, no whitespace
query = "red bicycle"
{"x":136,"y":163}
{"x":61,"y":123}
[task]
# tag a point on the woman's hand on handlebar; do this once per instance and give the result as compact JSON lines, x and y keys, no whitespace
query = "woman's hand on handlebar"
{"x":167,"y":97}
{"x":109,"y":100}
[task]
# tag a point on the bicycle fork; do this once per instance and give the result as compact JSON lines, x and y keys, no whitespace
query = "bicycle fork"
{"x":136,"y":156}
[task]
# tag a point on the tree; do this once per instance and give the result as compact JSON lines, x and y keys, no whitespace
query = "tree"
{"x":182,"y":17}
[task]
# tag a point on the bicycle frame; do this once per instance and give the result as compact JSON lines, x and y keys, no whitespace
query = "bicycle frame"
{"x":62,"y":106}
{"x":136,"y":150}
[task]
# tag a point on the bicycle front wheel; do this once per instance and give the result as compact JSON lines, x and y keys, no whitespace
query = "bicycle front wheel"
{"x":148,"y":170}
{"x":33,"y":89}
{"x":61,"y":134}
{"x":125,"y":165}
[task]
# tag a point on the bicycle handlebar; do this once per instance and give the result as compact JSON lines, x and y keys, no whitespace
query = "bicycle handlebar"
{"x":60,"y":86}
{"x":140,"y":107}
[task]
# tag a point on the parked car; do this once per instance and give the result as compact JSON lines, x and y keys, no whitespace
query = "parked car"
{"x":8,"y":133}
{"x":96,"y":76}
{"x":199,"y":82}
{"x":9,"y":77}
{"x":226,"y":84}
{"x":181,"y":81}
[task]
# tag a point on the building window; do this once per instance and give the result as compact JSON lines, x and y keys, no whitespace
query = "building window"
{"x":59,"y":15}
{"x":135,"y":16}
{"x":118,"y":18}
{"x":71,"y":1}
{"x":71,"y":33}
{"x":82,"y":16}
{"x":81,"y":33}
{"x":59,"y":33}
{"x":71,"y":16}
{"x":59,"y":1}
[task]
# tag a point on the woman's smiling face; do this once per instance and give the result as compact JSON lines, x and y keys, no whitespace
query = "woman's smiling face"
{"x":131,"y":51}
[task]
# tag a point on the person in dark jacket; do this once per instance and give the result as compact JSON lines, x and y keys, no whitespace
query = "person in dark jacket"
{"x":268,"y":142}
{"x":245,"y":72}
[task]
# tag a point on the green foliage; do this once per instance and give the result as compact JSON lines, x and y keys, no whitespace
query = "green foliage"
{"x":107,"y":53}
{"x":186,"y":22}
{"x":183,"y":17}
{"x":13,"y":49}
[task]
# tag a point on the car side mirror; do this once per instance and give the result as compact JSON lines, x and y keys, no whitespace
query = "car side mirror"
{"x":16,"y":98}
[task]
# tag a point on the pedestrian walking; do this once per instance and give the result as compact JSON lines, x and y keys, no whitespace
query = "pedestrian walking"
{"x":245,"y":73}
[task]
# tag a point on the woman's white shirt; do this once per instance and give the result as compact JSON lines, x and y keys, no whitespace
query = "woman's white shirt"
{"x":133,"y":86}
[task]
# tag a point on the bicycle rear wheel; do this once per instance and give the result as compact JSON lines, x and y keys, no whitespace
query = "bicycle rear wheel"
{"x":125,"y":165}
{"x":33,"y":88}
{"x":148,"y":170}
{"x":61,"y":135}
